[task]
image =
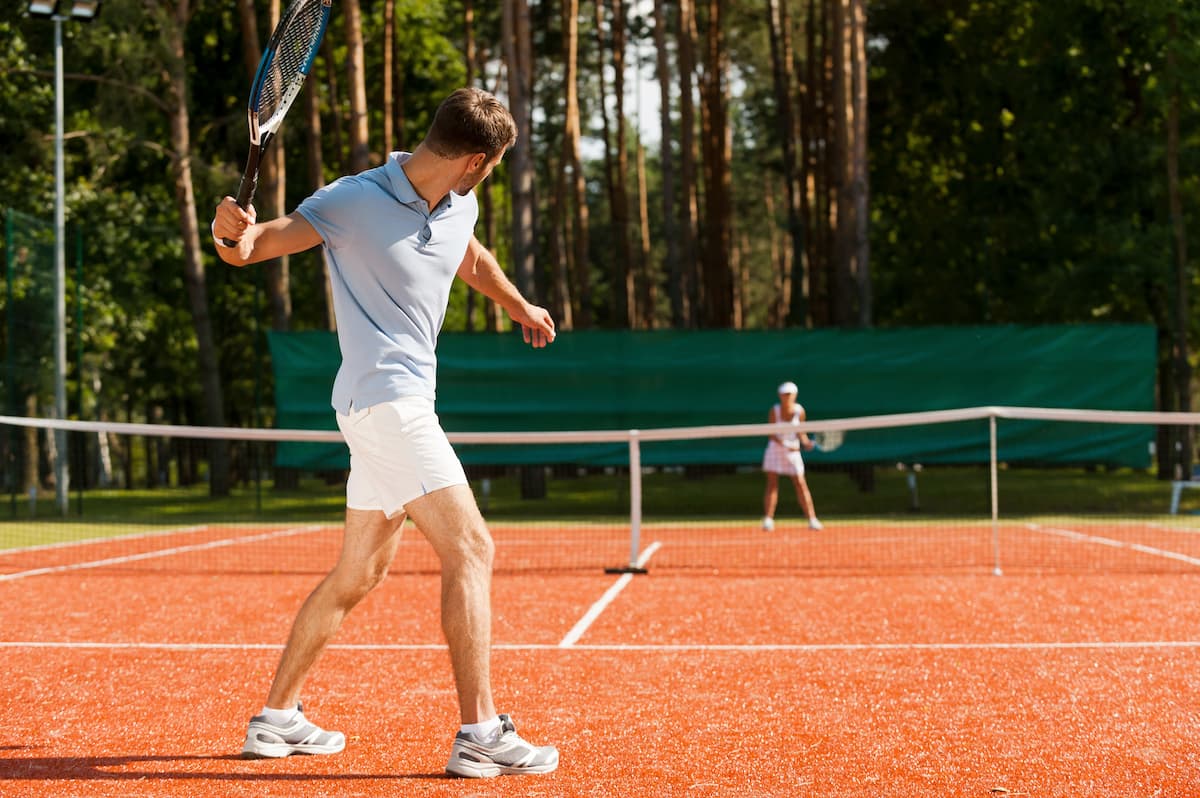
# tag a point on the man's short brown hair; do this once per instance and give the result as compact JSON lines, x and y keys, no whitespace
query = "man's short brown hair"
{"x":469,"y":121}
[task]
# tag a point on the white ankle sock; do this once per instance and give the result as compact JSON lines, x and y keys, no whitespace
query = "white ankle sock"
{"x":280,"y":717}
{"x":483,"y":731}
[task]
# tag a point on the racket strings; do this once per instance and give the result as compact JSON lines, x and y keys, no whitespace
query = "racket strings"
{"x":290,"y":61}
{"x":829,"y":440}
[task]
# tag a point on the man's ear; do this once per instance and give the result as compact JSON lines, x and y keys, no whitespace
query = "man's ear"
{"x":477,"y":161}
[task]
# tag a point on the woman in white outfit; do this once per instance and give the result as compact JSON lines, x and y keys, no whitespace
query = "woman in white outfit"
{"x":783,"y":457}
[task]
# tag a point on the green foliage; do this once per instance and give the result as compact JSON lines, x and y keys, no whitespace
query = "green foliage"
{"x":1017,"y":164}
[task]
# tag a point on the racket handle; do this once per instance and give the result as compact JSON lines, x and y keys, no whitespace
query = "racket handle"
{"x":246,"y":190}
{"x":244,"y":196}
{"x":249,"y":182}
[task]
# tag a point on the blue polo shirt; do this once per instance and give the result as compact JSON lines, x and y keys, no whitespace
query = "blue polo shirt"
{"x":392,"y":261}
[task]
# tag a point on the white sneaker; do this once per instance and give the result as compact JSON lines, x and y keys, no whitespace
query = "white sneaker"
{"x":815,"y":525}
{"x":265,"y":740}
{"x":768,"y":524}
{"x":507,"y":754}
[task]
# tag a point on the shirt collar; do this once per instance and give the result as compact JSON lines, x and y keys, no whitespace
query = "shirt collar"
{"x":403,"y":189}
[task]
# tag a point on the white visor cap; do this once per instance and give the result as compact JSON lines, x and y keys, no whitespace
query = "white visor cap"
{"x":788,"y":387}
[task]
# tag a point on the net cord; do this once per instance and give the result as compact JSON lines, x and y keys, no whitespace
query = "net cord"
{"x":624,"y":436}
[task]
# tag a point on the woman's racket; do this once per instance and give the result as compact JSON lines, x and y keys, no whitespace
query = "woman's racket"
{"x":827,"y":441}
{"x":281,"y":72}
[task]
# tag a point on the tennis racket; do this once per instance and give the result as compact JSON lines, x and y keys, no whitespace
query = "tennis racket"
{"x":827,"y":441}
{"x":281,"y":72}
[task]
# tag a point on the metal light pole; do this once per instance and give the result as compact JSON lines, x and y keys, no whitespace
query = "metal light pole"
{"x":58,"y":10}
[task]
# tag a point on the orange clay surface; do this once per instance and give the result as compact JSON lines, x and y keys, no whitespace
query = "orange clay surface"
{"x":134,"y":679}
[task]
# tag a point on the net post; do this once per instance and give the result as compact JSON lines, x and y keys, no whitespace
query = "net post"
{"x":994,"y":470}
{"x":62,"y":475}
{"x":635,"y":508}
{"x":81,"y":459}
{"x":10,"y":369}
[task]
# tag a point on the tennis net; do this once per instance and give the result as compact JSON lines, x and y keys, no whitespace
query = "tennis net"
{"x":988,"y":490}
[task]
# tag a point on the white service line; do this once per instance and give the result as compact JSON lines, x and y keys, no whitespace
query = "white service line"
{"x":594,"y":611}
{"x":810,"y":648}
{"x":1116,"y":544}
{"x":148,"y":555}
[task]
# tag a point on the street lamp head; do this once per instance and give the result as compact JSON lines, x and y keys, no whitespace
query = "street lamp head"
{"x":43,"y":8}
{"x":83,"y":10}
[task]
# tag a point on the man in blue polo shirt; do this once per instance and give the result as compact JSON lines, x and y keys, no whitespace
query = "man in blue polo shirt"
{"x":396,"y":236}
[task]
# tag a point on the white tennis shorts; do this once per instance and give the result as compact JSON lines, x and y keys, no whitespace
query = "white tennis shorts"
{"x":779,"y":460}
{"x":398,"y":452}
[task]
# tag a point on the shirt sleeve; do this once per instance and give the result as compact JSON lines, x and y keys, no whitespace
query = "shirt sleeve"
{"x":330,"y":209}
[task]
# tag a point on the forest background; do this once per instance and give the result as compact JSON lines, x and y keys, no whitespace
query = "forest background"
{"x":681,"y":164}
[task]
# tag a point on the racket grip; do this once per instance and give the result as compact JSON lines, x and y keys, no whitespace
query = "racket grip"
{"x":244,"y":196}
{"x":246,"y":190}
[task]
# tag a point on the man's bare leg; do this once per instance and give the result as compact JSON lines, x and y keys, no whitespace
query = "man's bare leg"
{"x":450,"y":520}
{"x":368,"y":547}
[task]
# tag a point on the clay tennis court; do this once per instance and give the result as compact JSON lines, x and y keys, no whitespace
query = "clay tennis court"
{"x":799,"y":665}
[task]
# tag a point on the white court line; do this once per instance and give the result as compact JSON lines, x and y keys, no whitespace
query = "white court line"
{"x":815,"y":648}
{"x":1116,"y":544}
{"x":1183,"y":530}
{"x":148,"y":555}
{"x":66,"y":544}
{"x":594,"y":611}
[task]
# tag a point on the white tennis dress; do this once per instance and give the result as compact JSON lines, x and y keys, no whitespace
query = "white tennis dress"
{"x":781,"y":459}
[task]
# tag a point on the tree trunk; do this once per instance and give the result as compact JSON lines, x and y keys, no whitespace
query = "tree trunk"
{"x":825,"y":291}
{"x":860,"y":182}
{"x":316,"y":179}
{"x":804,"y":287}
{"x":689,"y":207}
{"x":737,"y":267}
{"x":624,"y":274}
{"x":780,"y":275}
{"x":788,"y":302}
{"x":336,"y":134}
{"x":845,"y":312}
{"x":175,"y":76}
{"x":610,"y":264}
{"x":251,"y":51}
{"x":518,"y":55}
{"x":360,"y":151}
{"x":671,"y":264}
{"x":560,"y":293}
{"x":493,"y":320}
{"x":716,"y":144}
{"x":647,"y":283}
{"x":389,"y":49}
{"x":580,"y":235}
{"x":469,"y":56}
{"x":1182,"y":371}
{"x":559,"y":240}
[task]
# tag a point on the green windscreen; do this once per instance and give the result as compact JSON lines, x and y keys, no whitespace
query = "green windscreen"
{"x":606,"y":379}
